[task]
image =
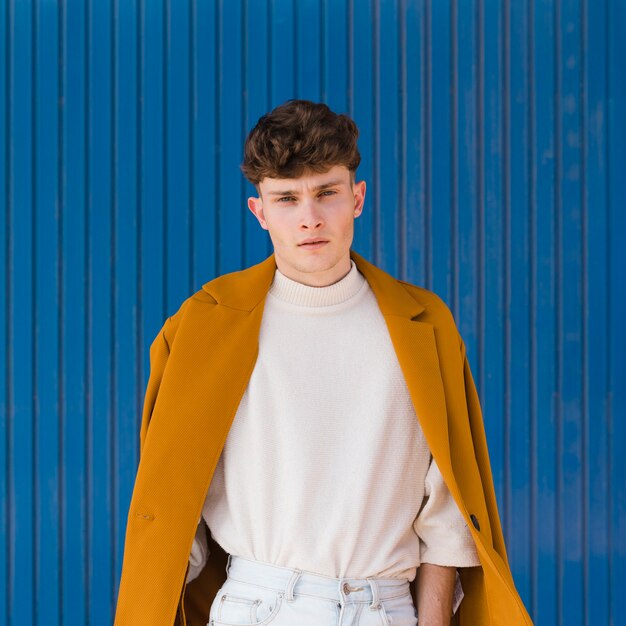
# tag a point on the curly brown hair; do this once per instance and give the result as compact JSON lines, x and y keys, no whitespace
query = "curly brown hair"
{"x":299,"y":136}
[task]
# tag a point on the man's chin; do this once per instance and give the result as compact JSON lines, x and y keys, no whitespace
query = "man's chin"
{"x":314,"y":264}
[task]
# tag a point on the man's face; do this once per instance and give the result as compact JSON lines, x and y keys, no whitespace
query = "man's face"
{"x":315,"y":206}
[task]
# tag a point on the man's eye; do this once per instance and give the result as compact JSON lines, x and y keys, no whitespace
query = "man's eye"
{"x":285,"y":198}
{"x":331,"y":192}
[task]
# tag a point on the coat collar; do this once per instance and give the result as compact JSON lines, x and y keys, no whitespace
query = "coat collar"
{"x":245,"y":289}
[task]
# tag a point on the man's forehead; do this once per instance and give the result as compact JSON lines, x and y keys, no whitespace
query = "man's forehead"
{"x":335,"y":176}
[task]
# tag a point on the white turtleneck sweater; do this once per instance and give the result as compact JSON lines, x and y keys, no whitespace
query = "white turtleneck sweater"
{"x":325,"y":467}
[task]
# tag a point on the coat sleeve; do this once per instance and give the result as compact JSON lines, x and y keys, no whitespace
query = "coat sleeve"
{"x":159,"y":353}
{"x":482,"y":456}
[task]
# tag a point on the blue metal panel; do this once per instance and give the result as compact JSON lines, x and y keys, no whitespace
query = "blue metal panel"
{"x":177,"y":119}
{"x":387,"y":134}
{"x":257,"y":98}
{"x":362,"y":110}
{"x":205,"y":129}
{"x":569,"y":314}
{"x":5,"y":365}
{"x":103,"y":537}
{"x":490,"y":369}
{"x":308,"y":23}
{"x":545,"y":346}
{"x":20,"y":308}
{"x":518,"y":302}
{"x":493,"y":141}
{"x":124,"y":256}
{"x":614,"y":352}
{"x":440,"y":91}
{"x":48,"y":377}
{"x":596,"y":333}
{"x":231,"y":132}
{"x":155,"y":295}
{"x":74,"y":316}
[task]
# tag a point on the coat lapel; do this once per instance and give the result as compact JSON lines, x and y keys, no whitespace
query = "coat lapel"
{"x":415,"y":346}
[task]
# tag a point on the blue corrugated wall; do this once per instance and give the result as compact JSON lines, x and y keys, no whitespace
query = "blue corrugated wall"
{"x":493,"y":137}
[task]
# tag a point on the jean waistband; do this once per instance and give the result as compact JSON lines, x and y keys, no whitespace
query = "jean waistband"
{"x":292,"y":580}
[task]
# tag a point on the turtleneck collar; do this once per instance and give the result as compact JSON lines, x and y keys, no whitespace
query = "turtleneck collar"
{"x":292,"y":291}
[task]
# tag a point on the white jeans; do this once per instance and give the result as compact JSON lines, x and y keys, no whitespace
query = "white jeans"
{"x":258,"y":594}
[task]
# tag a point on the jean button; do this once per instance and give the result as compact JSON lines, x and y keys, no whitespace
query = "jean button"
{"x":347,"y":589}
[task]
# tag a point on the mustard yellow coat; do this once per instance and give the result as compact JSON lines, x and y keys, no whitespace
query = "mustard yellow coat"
{"x":200,"y":364}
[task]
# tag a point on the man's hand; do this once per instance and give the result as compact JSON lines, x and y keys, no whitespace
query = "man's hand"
{"x":435,"y":591}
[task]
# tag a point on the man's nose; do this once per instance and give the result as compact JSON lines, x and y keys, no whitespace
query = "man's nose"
{"x":311,"y":215}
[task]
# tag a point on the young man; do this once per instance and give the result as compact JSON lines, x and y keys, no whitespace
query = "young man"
{"x":319,"y":419}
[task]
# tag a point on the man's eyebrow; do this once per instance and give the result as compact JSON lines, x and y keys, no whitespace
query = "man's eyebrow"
{"x":295,"y":193}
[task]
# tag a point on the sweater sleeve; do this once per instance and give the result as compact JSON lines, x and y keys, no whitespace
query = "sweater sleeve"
{"x":444,"y":536}
{"x":199,"y":552}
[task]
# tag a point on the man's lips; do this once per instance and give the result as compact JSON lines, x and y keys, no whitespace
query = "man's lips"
{"x":313,"y":246}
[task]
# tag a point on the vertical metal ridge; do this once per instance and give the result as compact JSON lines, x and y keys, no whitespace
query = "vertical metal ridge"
{"x":609,"y":309}
{"x":506,"y":238}
{"x":6,"y":330}
{"x":59,"y":282}
{"x":113,"y":450}
{"x":191,"y":50}
{"x":217,"y":11}
{"x":244,"y":108}
{"x":428,"y":138}
{"x":269,"y":55}
{"x":166,"y":195}
{"x":582,"y":93}
{"x":322,"y":50}
{"x":617,"y":372}
{"x":532,"y":157}
{"x":33,"y":278}
{"x":61,"y":312}
{"x":88,"y":323}
{"x":10,"y":402}
{"x":294,"y":26}
{"x":141,"y":97}
{"x":402,"y":114}
{"x":481,"y":292}
{"x":454,"y":147}
{"x":375,"y":143}
{"x":351,"y":95}
{"x":141,"y":166}
{"x":113,"y":298}
{"x":558,"y":309}
{"x":218,"y":114}
{"x":480,"y":168}
{"x":139,"y":192}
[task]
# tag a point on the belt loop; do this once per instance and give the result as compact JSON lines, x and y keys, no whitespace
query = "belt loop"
{"x":228,"y":564}
{"x":375,"y":605}
{"x":291,"y":584}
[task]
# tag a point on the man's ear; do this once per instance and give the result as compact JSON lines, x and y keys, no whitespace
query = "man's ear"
{"x":359,"y":197}
{"x":256,"y":206}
